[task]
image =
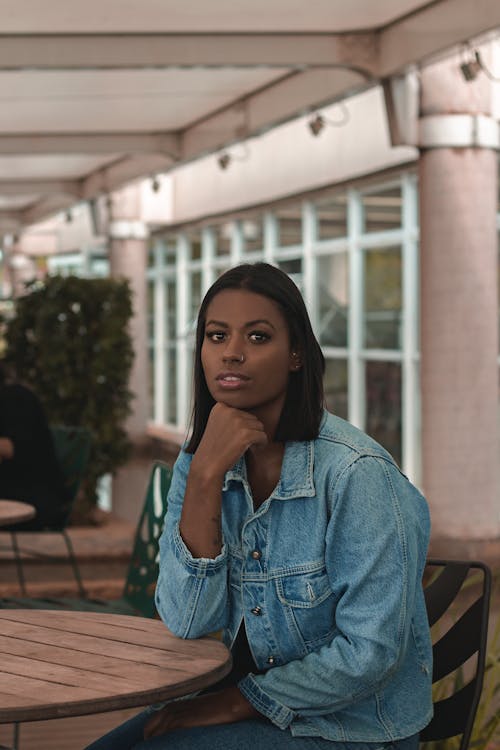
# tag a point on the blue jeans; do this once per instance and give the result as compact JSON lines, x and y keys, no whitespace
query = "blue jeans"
{"x":254,"y":734}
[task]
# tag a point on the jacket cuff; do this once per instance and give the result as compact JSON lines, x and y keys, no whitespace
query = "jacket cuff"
{"x":201,"y":567}
{"x":279,"y":714}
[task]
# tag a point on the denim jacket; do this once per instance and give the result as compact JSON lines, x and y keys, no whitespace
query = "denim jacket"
{"x":327,"y":576}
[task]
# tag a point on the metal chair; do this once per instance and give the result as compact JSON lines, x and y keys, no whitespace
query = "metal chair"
{"x":138,"y":593}
{"x":72,"y":447}
{"x":457,"y":600}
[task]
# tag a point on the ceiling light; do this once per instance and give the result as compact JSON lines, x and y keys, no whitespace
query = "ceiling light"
{"x":224,"y":160}
{"x":317,"y":124}
{"x":471,"y":68}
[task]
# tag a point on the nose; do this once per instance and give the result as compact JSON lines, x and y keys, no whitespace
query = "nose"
{"x":232,"y":356}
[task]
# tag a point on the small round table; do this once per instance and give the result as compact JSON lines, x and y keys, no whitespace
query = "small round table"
{"x":13,"y":511}
{"x":61,"y":663}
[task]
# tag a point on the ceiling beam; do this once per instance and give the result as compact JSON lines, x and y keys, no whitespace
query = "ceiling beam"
{"x":115,"y":51}
{"x":46,"y":206}
{"x":10,"y":221}
{"x":294,"y":95}
{"x":127,"y":169}
{"x":436,"y":28}
{"x":35,"y":187}
{"x":90,"y":143}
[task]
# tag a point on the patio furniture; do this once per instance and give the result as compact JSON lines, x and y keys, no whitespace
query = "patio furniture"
{"x":138,"y":592}
{"x":72,"y":447}
{"x":14,"y":511}
{"x":58,"y":664}
{"x":458,"y":616}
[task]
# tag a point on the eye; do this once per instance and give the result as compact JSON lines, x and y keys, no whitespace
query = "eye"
{"x":215,"y":336}
{"x":259,"y":337}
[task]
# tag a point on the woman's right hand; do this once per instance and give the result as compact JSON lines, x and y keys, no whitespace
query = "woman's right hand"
{"x":228,"y":435}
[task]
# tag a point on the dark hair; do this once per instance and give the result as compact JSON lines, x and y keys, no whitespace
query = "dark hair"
{"x":302,"y":411}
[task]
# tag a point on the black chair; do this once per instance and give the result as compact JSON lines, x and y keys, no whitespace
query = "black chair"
{"x":72,"y":447}
{"x":457,"y":599}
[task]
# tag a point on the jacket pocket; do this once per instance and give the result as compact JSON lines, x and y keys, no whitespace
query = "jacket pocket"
{"x":309,"y":605}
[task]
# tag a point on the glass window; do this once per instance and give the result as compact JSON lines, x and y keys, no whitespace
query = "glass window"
{"x":150,"y":310}
{"x":336,"y":386}
{"x":195,"y":245}
{"x":333,"y":299}
{"x":195,"y":297}
{"x":171,"y":310}
{"x":253,"y":235}
{"x":293,"y":268}
{"x":383,"y":405}
{"x":223,"y":234}
{"x":331,"y":217}
{"x":382,"y":210}
{"x":172,"y":385}
{"x":382,"y":298}
{"x":289,"y":225}
{"x":151,"y":377}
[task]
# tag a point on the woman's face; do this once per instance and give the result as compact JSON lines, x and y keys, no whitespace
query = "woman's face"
{"x":246,"y":355}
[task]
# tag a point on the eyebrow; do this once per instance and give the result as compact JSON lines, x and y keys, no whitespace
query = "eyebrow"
{"x":250,"y":323}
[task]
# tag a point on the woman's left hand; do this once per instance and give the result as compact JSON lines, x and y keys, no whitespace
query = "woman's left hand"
{"x":224,"y":707}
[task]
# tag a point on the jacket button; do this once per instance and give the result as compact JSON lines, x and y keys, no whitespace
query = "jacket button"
{"x":256,"y":554}
{"x":270,"y":660}
{"x":256,"y":611}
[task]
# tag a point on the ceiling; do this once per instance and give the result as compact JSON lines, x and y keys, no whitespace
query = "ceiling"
{"x":95,"y":94}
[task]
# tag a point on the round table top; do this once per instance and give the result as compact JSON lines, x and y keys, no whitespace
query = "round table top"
{"x":57,"y":663}
{"x":13,"y":511}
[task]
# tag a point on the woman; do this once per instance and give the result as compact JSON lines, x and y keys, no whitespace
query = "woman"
{"x":296,"y":535}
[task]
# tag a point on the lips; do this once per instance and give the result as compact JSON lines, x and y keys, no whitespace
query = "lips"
{"x":231,"y":380}
{"x":232,"y":377}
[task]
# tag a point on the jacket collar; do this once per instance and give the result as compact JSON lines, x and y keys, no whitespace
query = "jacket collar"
{"x":296,"y":478}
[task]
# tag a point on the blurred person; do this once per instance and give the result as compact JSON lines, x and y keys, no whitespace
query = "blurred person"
{"x":29,"y":470}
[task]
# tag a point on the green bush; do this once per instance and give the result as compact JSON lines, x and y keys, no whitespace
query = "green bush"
{"x":68,"y":340}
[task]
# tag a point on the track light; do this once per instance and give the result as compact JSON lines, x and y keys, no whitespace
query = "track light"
{"x":224,"y":160}
{"x":471,"y":68}
{"x":318,"y":122}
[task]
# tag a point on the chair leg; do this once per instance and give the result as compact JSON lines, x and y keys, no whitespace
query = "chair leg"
{"x":19,"y":563}
{"x":15,"y":737}
{"x":74,"y":563}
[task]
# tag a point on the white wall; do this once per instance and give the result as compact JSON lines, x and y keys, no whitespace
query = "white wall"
{"x":289,"y":159}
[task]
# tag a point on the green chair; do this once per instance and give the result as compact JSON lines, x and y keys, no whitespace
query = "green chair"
{"x":72,"y":447}
{"x":138,"y":593}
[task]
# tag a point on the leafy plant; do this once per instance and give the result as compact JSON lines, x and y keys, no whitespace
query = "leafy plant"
{"x":68,"y":340}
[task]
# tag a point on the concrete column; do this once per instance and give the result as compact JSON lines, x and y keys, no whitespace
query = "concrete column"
{"x":459,"y":313}
{"x":128,"y":259}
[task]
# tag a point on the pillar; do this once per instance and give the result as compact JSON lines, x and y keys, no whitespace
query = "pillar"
{"x":128,"y":260}
{"x":458,"y":169}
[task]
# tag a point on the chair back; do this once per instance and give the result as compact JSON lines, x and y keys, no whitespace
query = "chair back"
{"x":143,"y":569}
{"x":72,"y":448}
{"x":457,"y":600}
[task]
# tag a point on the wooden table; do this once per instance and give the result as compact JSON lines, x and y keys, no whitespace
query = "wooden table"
{"x":60,"y":663}
{"x":13,"y":511}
